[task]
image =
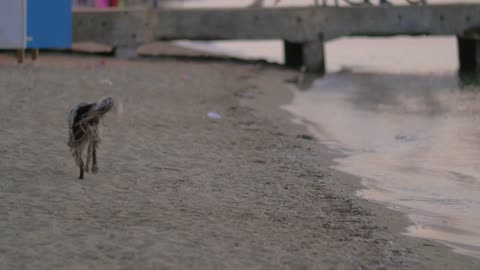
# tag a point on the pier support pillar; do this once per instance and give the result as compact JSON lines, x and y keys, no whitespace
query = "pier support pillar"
{"x":125,"y":52}
{"x":314,"y":56}
{"x":310,"y":55}
{"x":293,"y":54}
{"x":469,"y":54}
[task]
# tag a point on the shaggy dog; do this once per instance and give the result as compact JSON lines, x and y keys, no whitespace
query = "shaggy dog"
{"x":83,"y":125}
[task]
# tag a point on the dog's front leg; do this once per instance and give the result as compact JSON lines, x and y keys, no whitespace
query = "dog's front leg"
{"x":78,"y":158}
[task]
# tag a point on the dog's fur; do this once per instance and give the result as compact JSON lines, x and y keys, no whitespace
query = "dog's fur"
{"x":84,"y":123}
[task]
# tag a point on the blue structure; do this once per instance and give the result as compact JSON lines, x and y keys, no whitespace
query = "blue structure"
{"x":49,"y":24}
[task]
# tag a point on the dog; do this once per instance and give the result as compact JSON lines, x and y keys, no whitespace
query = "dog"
{"x":83,"y":125}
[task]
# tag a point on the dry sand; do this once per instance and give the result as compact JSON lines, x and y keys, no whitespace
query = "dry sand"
{"x":177,"y":190}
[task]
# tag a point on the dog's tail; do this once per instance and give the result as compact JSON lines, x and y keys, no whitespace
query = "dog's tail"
{"x":99,"y":109}
{"x":103,"y":106}
{"x":81,"y":114}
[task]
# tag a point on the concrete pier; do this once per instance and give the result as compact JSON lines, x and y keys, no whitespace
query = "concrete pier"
{"x":304,"y":29}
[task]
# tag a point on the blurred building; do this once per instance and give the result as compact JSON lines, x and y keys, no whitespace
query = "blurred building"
{"x":126,"y":3}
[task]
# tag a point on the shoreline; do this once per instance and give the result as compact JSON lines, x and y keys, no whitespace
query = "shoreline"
{"x":349,"y":184}
{"x":247,"y":191}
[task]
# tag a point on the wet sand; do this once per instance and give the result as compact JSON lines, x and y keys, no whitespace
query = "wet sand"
{"x":177,"y":190}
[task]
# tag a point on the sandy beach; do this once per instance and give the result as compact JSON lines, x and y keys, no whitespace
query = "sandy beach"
{"x":175,"y":189}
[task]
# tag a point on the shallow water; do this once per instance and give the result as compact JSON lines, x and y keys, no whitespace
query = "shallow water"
{"x":407,"y":123}
{"x":414,"y":140}
{"x":409,"y":126}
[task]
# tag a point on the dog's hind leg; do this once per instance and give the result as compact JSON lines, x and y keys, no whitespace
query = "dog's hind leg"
{"x":94,"y":158}
{"x":89,"y":155}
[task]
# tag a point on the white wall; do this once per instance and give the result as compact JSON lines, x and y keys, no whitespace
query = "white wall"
{"x":12,"y":24}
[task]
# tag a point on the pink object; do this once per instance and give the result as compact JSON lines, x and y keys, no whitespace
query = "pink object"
{"x":101,"y":3}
